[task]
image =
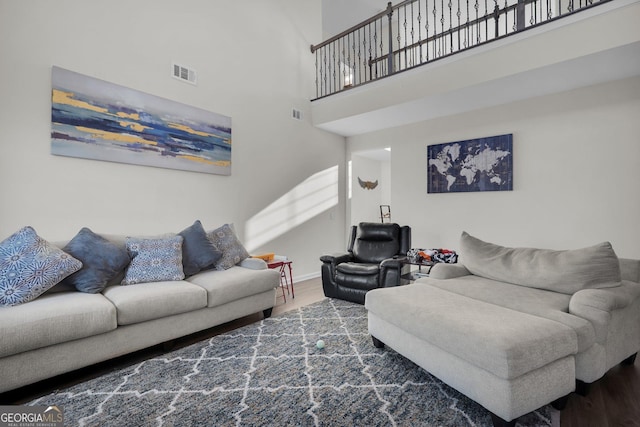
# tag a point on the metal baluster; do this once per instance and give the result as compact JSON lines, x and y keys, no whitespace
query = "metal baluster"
{"x":346,"y":60}
{"x":370,"y":54}
{"x":441,"y":27}
{"x":327,"y":74}
{"x":341,"y":64}
{"x":450,"y":26}
{"x":352,"y":57}
{"x":497,"y":15}
{"x":382,"y":69}
{"x":399,"y":38}
{"x":360,"y":55}
{"x":335,"y":76}
{"x":426,"y":27}
{"x":354,"y":63}
{"x":324,"y":83}
{"x":458,"y":31}
{"x":466,"y":33}
{"x":486,"y":21}
{"x":420,"y":32}
{"x":477,"y":25}
{"x":413,"y":49}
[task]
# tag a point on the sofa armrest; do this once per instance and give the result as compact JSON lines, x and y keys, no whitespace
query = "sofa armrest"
{"x":253,"y":264}
{"x":444,"y":271}
{"x":396,"y":262}
{"x":630,"y":269}
{"x":391,"y":271}
{"x":597,"y":305}
{"x":328,"y":272}
{"x":337,"y":258}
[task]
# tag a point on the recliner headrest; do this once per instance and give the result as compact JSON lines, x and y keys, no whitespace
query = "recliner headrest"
{"x":377,"y":232}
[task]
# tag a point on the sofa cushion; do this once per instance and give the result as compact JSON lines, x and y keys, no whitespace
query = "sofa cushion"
{"x":101,"y":260}
{"x":235,"y":283}
{"x":233,"y":252}
{"x":148,"y":301}
{"x":505,"y":342}
{"x":565,"y":271}
{"x":29,"y":266}
{"x":198,"y":252}
{"x":154,"y":260}
{"x":54,"y":318}
{"x":538,"y":302}
{"x":358,"y":269}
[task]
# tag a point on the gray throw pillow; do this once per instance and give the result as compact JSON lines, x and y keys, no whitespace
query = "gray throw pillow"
{"x":154,"y":260}
{"x":225,"y":239}
{"x":198,"y":253}
{"x":101,"y":260}
{"x":564,"y":271}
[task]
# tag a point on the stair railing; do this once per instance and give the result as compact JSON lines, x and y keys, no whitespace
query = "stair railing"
{"x":416,"y":32}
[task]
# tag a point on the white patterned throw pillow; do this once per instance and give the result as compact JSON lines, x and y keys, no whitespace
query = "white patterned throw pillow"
{"x":29,"y":266}
{"x":154,"y":260}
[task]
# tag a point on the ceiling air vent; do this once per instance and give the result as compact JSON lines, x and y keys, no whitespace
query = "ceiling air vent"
{"x":183,"y":73}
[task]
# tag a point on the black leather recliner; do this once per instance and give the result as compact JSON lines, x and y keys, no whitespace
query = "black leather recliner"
{"x":373,"y":260}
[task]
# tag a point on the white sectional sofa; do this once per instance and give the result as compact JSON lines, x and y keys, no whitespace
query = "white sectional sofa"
{"x":515,"y":328}
{"x":64,"y":330}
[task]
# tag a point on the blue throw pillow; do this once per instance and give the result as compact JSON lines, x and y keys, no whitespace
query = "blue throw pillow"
{"x":198,"y":253}
{"x":29,"y":266}
{"x":154,"y":260}
{"x":225,"y":239}
{"x":101,"y":260}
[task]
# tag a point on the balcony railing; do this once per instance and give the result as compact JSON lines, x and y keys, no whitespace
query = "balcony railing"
{"x":416,"y":32}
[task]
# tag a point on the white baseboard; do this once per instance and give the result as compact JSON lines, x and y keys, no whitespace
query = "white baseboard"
{"x":304,"y":277}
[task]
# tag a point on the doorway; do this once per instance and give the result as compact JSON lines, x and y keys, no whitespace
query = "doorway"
{"x":369,"y":185}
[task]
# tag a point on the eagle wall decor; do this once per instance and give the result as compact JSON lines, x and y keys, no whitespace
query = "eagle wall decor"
{"x":369,"y":185}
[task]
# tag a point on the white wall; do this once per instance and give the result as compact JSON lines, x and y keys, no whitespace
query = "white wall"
{"x":253,"y":65}
{"x":576,"y":173}
{"x":365,"y":203}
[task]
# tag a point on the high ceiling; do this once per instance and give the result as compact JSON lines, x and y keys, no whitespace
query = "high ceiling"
{"x":339,"y":15}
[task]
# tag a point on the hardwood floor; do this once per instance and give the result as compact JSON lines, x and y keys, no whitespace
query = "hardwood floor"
{"x":306,"y":293}
{"x":614,"y":400}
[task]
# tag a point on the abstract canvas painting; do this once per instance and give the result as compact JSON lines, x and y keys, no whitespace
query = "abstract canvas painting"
{"x":95,"y":119}
{"x":481,"y":164}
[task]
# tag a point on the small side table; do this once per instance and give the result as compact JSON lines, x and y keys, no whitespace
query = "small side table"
{"x":417,"y":274}
{"x":284,"y":266}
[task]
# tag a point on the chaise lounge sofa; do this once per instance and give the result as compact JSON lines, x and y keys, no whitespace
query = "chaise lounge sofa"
{"x":515,"y":328}
{"x":63,"y":329}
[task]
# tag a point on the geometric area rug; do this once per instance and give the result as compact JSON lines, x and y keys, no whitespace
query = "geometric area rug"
{"x":270,"y":373}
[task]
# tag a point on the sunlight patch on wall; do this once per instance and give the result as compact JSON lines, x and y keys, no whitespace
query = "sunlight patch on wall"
{"x":308,"y":199}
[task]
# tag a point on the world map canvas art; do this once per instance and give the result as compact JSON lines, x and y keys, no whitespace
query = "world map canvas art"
{"x":482,"y":164}
{"x":95,"y":119}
